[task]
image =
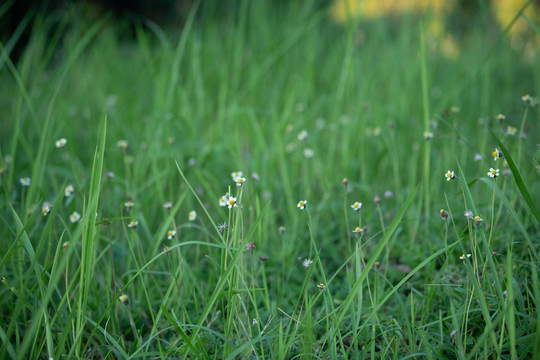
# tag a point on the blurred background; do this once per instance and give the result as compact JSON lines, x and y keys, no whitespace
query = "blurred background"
{"x":448,"y":21}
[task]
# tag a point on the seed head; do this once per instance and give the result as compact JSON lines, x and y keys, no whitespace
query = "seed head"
{"x":124,"y":299}
{"x":444,"y":214}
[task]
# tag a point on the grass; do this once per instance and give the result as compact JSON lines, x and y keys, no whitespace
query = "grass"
{"x":232,"y":92}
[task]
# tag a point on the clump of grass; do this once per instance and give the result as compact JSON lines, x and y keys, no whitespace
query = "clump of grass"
{"x":119,"y":243}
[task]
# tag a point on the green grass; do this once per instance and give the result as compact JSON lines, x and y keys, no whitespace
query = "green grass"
{"x":231,"y":92}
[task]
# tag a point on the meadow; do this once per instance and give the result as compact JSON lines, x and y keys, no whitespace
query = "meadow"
{"x":265,"y":183}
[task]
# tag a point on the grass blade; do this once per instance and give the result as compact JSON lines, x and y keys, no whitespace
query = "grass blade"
{"x":519,"y":180}
{"x":373,"y":257}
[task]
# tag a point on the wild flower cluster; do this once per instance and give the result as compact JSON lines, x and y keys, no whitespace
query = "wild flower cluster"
{"x":493,"y":172}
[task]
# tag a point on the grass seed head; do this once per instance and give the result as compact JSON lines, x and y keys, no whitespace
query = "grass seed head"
{"x":444,"y":214}
{"x":124,"y":299}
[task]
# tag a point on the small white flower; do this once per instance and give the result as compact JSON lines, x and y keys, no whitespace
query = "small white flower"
{"x":133,"y":224}
{"x":449,"y":175}
{"x":25,"y":181}
{"x":171,"y":234}
{"x":510,"y":130}
{"x":302,"y":204}
{"x":356,"y":206}
{"x":308,"y":153}
{"x":46,"y":208}
{"x":469,"y":215}
{"x":69,"y":190}
{"x":168,"y":205}
{"x":124,"y":299}
{"x":231,"y":202}
{"x":478,"y":157}
{"x":223,"y":200}
{"x":74,"y":217}
{"x":303,"y":135}
{"x":497,"y":154}
{"x":358,"y":231}
{"x":61,"y":143}
{"x":192,"y":215}
{"x":493,"y":173}
{"x":428,"y":135}
{"x":128,"y":205}
{"x":122,"y":144}
{"x":307,"y":263}
{"x":236,"y":174}
{"x":239,"y":180}
{"x":463,"y":257}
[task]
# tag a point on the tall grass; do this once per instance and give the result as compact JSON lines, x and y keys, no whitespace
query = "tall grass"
{"x":228,"y":93}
